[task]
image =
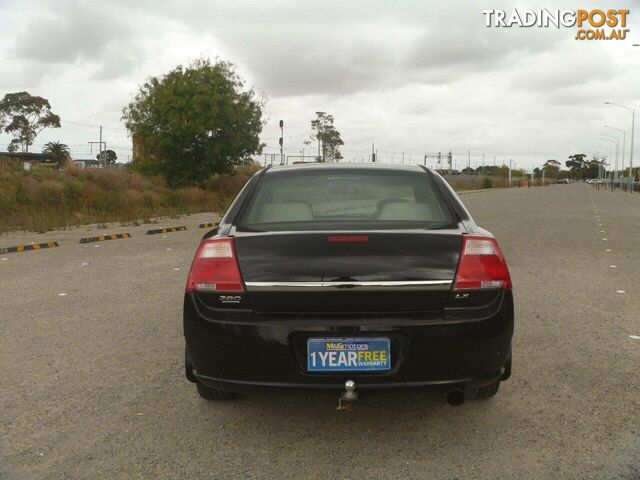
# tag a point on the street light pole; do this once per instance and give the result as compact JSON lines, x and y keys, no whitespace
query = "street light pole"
{"x":281,"y":141}
{"x":609,"y":159}
{"x":624,"y":142}
{"x":633,"y":127}
{"x":612,"y":139}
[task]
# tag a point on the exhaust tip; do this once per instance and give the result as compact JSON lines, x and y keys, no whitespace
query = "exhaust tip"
{"x":455,"y":398}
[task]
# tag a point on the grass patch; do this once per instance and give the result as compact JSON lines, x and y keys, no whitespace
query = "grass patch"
{"x":43,"y":199}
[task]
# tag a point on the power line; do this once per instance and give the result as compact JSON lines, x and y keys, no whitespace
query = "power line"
{"x":93,"y":126}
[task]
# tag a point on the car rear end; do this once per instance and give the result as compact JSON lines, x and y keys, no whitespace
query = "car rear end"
{"x":322,"y":274}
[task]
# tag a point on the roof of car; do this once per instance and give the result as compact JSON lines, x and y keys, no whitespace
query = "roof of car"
{"x":345,"y":165}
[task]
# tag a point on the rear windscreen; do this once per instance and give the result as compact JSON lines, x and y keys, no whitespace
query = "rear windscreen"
{"x":344,"y":200}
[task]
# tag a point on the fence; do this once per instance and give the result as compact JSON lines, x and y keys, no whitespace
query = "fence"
{"x":628,"y":184}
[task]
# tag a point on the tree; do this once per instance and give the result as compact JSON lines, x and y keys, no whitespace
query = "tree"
{"x":488,"y":170}
{"x":194,"y":122}
{"x":25,"y":116}
{"x":108,"y":157}
{"x":595,"y":166}
{"x":551,"y":168}
{"x":59,"y":151}
{"x":577,"y":165}
{"x":328,"y":137}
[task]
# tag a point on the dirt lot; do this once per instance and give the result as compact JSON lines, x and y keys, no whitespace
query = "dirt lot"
{"x":92,"y":383}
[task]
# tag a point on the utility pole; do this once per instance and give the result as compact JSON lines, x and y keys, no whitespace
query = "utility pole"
{"x":425,"y":159}
{"x":101,"y":157}
{"x":373,"y":152}
{"x":469,"y":159}
{"x":450,"y":158}
{"x":91,"y":144}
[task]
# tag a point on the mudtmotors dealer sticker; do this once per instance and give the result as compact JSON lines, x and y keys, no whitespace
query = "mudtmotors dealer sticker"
{"x":589,"y":24}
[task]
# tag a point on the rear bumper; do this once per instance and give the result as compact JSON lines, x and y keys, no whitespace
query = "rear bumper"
{"x":244,"y":386}
{"x":240,"y":352}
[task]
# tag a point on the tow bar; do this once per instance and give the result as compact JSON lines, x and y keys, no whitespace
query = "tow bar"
{"x":348,"y":397}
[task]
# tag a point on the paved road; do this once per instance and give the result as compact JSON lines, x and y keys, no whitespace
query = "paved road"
{"x":92,"y":384}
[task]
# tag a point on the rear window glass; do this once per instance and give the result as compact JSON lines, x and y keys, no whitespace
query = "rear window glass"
{"x":345,"y":200}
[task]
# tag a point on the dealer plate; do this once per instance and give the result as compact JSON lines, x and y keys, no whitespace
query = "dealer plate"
{"x":348,"y":354}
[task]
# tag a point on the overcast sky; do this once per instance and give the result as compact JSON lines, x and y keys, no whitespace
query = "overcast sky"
{"x":413,"y":76}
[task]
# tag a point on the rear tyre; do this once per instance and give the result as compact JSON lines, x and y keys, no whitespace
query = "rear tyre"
{"x":487,"y":391}
{"x":213,"y":394}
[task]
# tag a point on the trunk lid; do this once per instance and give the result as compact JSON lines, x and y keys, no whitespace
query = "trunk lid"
{"x":366,"y":272}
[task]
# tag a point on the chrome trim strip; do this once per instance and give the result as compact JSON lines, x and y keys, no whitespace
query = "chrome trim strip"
{"x":382,"y":285}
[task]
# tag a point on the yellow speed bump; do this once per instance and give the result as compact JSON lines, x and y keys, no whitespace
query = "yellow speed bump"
{"x":31,"y":246}
{"x":102,"y":238}
{"x":166,"y":230}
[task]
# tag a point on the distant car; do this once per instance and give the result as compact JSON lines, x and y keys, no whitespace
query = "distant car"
{"x":563,"y":181}
{"x":351,"y":277}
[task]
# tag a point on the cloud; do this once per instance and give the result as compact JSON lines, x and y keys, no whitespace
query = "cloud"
{"x":566,"y":67}
{"x":73,"y":31}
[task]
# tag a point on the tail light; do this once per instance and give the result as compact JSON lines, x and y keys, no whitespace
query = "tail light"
{"x":481,"y":265}
{"x":215,"y":268}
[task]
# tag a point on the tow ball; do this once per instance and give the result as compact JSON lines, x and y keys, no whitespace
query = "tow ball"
{"x":348,"y":397}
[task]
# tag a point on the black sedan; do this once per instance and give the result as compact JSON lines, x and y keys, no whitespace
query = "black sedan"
{"x":348,"y":277}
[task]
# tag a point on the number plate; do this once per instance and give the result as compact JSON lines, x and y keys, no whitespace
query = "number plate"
{"x":348,"y":354}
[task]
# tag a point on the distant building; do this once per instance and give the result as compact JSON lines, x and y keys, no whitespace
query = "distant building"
{"x":87,"y":163}
{"x":29,"y":160}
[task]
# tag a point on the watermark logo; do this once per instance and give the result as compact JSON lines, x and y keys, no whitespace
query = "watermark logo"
{"x":589,"y":24}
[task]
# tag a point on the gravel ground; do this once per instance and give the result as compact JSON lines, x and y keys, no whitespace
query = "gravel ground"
{"x":92,"y":384}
